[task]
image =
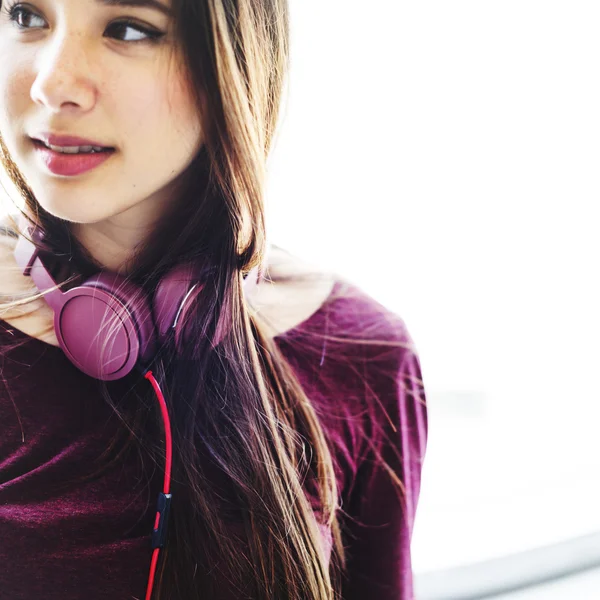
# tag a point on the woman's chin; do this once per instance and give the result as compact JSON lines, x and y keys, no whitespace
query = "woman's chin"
{"x":72,"y":209}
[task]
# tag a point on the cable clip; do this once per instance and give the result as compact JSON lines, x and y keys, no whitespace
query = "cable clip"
{"x":163,"y":505}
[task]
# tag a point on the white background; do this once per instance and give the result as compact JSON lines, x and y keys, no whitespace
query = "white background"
{"x":444,"y":156}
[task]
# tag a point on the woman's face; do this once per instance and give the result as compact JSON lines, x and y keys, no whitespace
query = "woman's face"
{"x":108,"y":71}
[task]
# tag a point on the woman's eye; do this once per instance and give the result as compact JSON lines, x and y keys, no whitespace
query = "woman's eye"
{"x":126,"y":30}
{"x":23,"y":18}
{"x":130,"y":31}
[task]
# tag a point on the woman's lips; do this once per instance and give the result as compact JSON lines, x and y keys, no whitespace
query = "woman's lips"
{"x":69,"y":165}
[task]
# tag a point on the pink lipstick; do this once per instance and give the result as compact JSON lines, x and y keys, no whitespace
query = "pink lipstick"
{"x":69,"y":156}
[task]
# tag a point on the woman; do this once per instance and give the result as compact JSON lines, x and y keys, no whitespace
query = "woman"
{"x":137,"y":133}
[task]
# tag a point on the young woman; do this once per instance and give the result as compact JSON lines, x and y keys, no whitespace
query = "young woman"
{"x":277,"y":413}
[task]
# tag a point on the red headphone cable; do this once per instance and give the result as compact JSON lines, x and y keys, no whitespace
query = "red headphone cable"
{"x":159,"y":533}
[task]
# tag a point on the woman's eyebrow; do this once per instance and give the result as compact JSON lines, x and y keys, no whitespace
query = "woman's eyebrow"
{"x":139,"y":3}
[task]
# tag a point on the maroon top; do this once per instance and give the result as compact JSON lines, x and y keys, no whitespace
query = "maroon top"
{"x":61,"y":540}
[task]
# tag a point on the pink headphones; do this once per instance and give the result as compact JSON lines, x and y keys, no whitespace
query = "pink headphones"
{"x":106,"y":325}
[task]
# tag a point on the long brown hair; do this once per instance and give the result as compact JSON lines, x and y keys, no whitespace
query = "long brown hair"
{"x":237,"y":409}
{"x":236,"y":53}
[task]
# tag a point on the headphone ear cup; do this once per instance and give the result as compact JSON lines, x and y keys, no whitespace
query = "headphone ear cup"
{"x":173,"y":296}
{"x":105,"y":326}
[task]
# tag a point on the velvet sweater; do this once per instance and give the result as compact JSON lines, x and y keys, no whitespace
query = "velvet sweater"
{"x":61,"y":540}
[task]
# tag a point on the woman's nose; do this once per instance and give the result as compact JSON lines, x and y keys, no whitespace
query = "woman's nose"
{"x":64,"y":76}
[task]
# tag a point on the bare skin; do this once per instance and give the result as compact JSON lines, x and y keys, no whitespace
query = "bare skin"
{"x":282,"y":304}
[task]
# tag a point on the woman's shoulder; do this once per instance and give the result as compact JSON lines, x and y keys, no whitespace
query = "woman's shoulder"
{"x":305,"y":299}
{"x":35,"y":318}
{"x":12,"y":280}
{"x":315,"y":312}
{"x":291,"y":292}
